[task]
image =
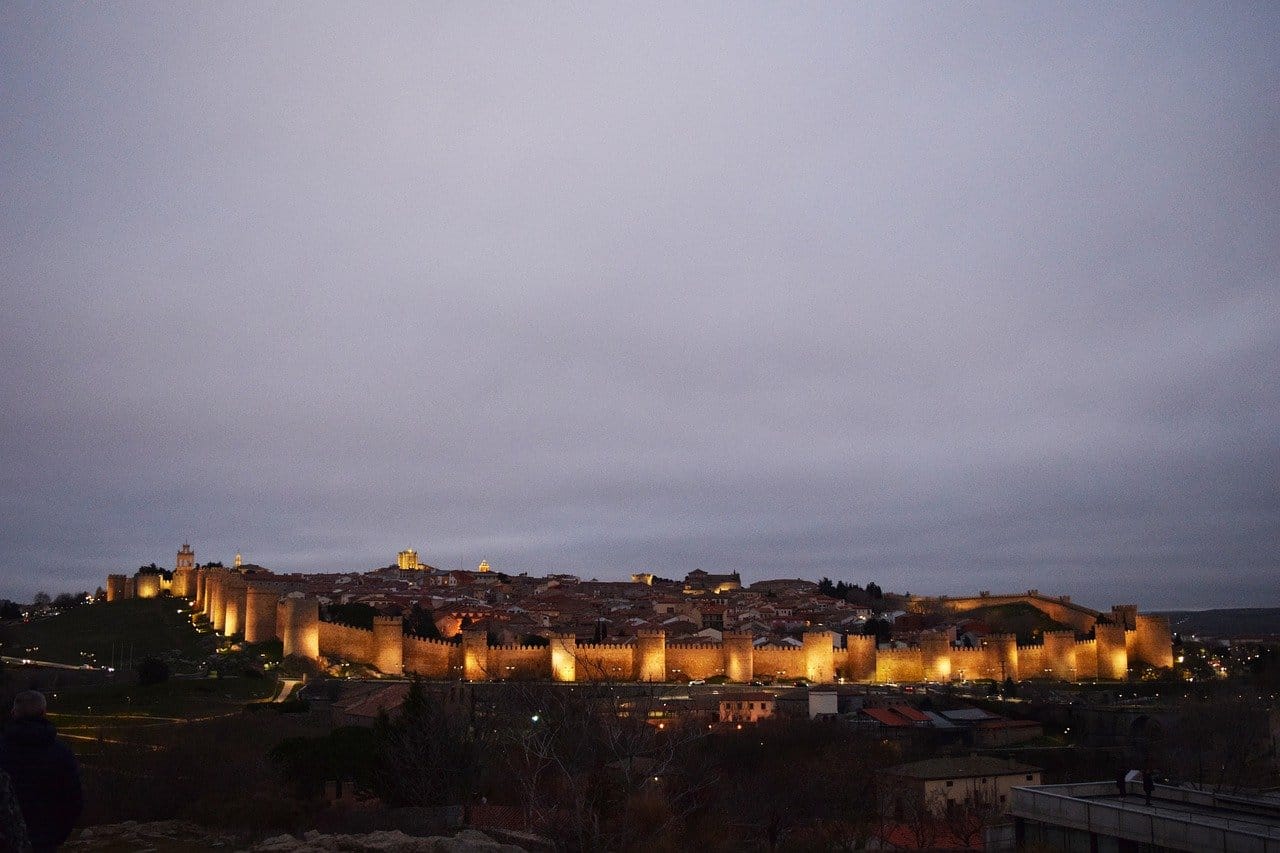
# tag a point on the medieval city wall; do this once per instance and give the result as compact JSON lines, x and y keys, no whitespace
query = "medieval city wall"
{"x":522,"y":663}
{"x":1153,"y":643}
{"x":688,"y":662}
{"x":1086,"y":657}
{"x":432,"y":658}
{"x":779,"y":662}
{"x":898,"y":665}
{"x":969,"y":664}
{"x":347,"y":642}
{"x":1030,"y":662}
{"x":858,"y":661}
{"x":115,"y":587}
{"x":605,"y":662}
{"x":235,"y":604}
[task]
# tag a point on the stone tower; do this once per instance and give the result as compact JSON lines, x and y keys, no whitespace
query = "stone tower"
{"x":739,"y":656}
{"x":819,"y":657}
{"x":388,"y":644}
{"x":651,"y":655}
{"x":301,"y":621}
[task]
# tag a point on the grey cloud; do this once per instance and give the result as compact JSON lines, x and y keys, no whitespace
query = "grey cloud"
{"x":951,"y":299}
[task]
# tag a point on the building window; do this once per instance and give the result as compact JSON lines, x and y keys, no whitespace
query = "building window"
{"x":1028,"y":777}
{"x":950,"y":782}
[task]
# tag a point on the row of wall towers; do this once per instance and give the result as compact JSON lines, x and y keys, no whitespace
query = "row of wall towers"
{"x":258,"y":610}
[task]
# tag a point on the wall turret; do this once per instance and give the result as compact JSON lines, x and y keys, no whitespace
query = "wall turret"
{"x":301,"y":620}
{"x":233,"y":597}
{"x":475,"y":655}
{"x":217,"y":600}
{"x":147,"y":585}
{"x":564,"y":657}
{"x":115,"y":587}
{"x":259,"y":613}
{"x":1059,"y":656}
{"x":1154,"y":642}
{"x":935,"y":657}
{"x":1005,"y":649}
{"x":651,"y":655}
{"x":1113,"y":657}
{"x":388,"y":644}
{"x":739,"y":656}
{"x":819,"y":657}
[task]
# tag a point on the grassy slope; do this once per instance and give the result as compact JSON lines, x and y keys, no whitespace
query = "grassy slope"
{"x":1020,"y":618}
{"x":140,"y":627}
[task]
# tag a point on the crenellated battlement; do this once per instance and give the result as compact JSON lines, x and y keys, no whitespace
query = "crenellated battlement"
{"x":261,"y":609}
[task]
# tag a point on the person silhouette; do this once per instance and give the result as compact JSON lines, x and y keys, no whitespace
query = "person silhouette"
{"x":45,"y":773}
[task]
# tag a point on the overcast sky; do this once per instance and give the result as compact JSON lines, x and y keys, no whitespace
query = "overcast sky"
{"x":947,"y":297}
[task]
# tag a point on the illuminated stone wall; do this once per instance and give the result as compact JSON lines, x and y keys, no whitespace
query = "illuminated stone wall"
{"x":183,"y":583}
{"x":564,"y":657}
{"x":346,"y":642}
{"x":1154,"y":641}
{"x":1113,"y":656}
{"x":475,"y":656}
{"x":1030,"y":662}
{"x":200,"y":590}
{"x":604,"y":662}
{"x":1005,"y":662}
{"x":971,"y":664}
{"x":779,"y":662}
{"x":692,"y":661}
{"x":935,"y":657}
{"x":1060,"y":609}
{"x":233,"y":596}
{"x":1086,"y":659}
{"x":147,"y":585}
{"x":899,"y":665}
{"x":650,"y":660}
{"x":300,"y":618}
{"x":217,"y":604}
{"x":739,"y":656}
{"x":259,"y":613}
{"x":521,"y":663}
{"x":819,"y":660}
{"x":388,"y":644}
{"x":858,"y":662}
{"x":115,"y":587}
{"x":432,"y":658}
{"x":1059,"y":656}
